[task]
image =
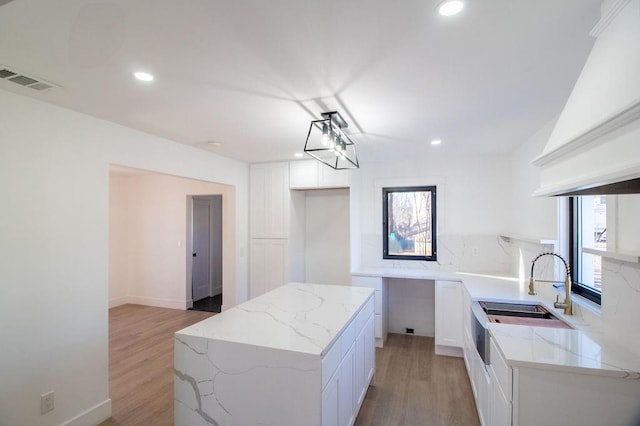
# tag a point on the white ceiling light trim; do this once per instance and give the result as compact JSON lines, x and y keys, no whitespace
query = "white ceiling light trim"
{"x":450,"y":7}
{"x":436,"y":142}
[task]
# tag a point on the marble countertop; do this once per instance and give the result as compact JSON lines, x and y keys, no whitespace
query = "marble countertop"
{"x":538,"y":347}
{"x":563,"y":350}
{"x":295,"y":317}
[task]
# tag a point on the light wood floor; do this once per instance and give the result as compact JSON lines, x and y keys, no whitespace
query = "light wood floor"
{"x":141,"y":362}
{"x":413,"y":385}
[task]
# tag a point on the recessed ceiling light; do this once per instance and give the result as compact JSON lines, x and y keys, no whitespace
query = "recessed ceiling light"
{"x":450,"y":7}
{"x":436,"y":142}
{"x":143,"y":76}
{"x":298,"y":155}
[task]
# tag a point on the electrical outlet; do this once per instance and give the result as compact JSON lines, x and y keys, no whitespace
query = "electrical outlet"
{"x":475,"y":252}
{"x":46,"y":402}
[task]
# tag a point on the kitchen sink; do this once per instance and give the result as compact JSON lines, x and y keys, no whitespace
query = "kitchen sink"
{"x":516,"y":310}
{"x":521,"y":314}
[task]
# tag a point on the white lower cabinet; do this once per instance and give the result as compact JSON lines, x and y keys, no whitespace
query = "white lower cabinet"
{"x":344,"y":393}
{"x":448,"y":317}
{"x":538,"y":396}
{"x":483,"y":387}
{"x":500,"y":405}
{"x":381,"y":298}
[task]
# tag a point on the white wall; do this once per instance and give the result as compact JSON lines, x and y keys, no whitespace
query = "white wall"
{"x":412,"y":305}
{"x":473,"y":207}
{"x":54,"y":250}
{"x":532,"y":216}
{"x":156,"y":245}
{"x":473,"y":194}
{"x":327,"y":236}
{"x":118,"y":240}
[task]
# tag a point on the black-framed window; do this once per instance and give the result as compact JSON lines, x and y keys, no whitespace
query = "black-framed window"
{"x":588,"y":229}
{"x":409,"y":223}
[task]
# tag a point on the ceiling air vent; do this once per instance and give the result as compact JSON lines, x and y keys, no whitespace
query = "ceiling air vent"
{"x":6,"y":73}
{"x":24,"y":80}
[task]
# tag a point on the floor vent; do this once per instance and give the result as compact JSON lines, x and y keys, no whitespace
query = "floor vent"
{"x":24,"y":80}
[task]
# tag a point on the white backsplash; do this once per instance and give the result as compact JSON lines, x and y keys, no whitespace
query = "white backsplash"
{"x":621,"y":302}
{"x":616,"y":319}
{"x":462,"y":253}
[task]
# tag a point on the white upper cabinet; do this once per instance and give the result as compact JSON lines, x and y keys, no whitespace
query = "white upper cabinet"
{"x":303,"y":174}
{"x":269,"y":200}
{"x":311,"y":174}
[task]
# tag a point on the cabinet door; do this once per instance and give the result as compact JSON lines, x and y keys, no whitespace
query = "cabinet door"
{"x":277,"y":212}
{"x":268,"y":265}
{"x":346,"y":400}
{"x":365,"y":348}
{"x":257,"y":267}
{"x":369,"y":352}
{"x":303,"y":174}
{"x":381,"y":304}
{"x":360,"y":368}
{"x":500,"y":406}
{"x":449,"y":313}
{"x":330,"y":402}
{"x":269,"y":200}
{"x":258,"y":201}
{"x":483,"y":391}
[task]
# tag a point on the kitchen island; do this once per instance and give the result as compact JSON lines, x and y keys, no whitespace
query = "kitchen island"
{"x":299,"y":354}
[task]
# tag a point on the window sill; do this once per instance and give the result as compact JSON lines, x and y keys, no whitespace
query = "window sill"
{"x":614,"y":254}
{"x":586,"y":304}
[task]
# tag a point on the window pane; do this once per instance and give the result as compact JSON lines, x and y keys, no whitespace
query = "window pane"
{"x":593,"y":234}
{"x":409,"y":223}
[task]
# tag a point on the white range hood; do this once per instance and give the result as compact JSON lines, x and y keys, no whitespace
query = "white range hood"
{"x":595,"y":145}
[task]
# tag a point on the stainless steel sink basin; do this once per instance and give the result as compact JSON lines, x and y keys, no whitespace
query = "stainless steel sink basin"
{"x":516,"y":310}
{"x":521,"y":314}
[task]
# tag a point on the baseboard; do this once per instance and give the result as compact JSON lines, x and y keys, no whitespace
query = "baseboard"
{"x":159,"y":303}
{"x":93,"y":416}
{"x":118,"y":301}
{"x":449,"y":351}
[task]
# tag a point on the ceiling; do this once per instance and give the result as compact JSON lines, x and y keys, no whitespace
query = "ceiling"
{"x":250,"y":75}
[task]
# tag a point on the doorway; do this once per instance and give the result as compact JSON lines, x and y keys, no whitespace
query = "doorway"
{"x":206,"y":253}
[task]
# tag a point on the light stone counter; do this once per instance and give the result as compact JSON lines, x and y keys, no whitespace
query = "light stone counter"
{"x":553,"y":349}
{"x":562,"y":350}
{"x":266,"y":361}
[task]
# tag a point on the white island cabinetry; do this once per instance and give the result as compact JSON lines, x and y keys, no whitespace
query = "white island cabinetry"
{"x":299,"y":354}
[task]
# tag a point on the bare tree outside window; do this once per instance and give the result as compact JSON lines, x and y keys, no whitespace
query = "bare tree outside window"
{"x":409,"y":223}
